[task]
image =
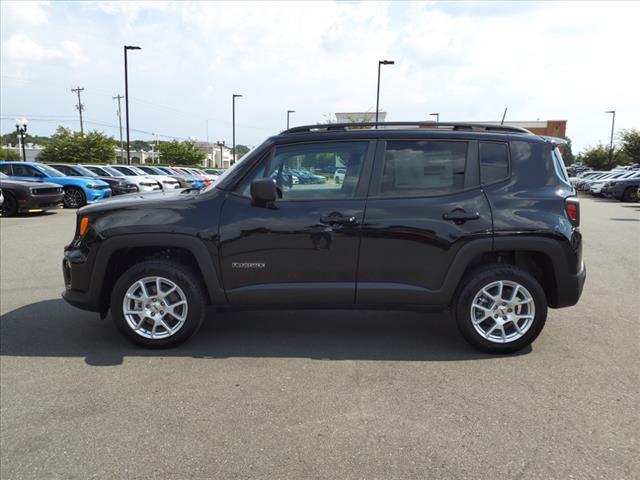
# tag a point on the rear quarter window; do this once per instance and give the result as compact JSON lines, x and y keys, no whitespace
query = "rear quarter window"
{"x":494,"y":161}
{"x":423,"y":168}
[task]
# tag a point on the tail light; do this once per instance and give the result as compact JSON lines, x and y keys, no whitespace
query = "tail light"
{"x":572,"y":207}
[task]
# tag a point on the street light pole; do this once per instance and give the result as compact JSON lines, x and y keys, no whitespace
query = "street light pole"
{"x":220,"y":144}
{"x":437,"y":115}
{"x":233,"y":126}
{"x":120,"y":97}
{"x":126,"y":94}
{"x":613,"y":122}
{"x":380,"y":63}
{"x":288,"y":113}
{"x":21,"y":128}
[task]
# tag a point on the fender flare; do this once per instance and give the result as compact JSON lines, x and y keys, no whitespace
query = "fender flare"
{"x":194,"y":245}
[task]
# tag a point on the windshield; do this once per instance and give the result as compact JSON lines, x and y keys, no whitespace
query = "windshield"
{"x":137,"y":171}
{"x":126,"y":170}
{"x":47,"y":170}
{"x":113,"y":171}
{"x":85,"y":172}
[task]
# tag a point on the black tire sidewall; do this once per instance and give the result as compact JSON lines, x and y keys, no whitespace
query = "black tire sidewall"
{"x":12,"y":203}
{"x":182,"y":276}
{"x":83,"y":202}
{"x":474,"y":281}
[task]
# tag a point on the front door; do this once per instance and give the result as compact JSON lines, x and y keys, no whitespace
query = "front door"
{"x":303,"y":248}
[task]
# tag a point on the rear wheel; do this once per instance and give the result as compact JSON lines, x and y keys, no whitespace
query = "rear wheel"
{"x":630,"y":194}
{"x":74,"y":197}
{"x":158,"y":303}
{"x":10,"y":206}
{"x":500,"y":309}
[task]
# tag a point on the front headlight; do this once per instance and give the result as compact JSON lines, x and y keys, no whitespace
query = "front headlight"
{"x":94,"y":187}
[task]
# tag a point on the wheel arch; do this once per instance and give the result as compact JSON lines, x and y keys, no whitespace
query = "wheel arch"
{"x":117,"y":254}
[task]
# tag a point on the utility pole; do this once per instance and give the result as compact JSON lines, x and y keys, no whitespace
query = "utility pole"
{"x":233,"y":125}
{"x":380,"y":63}
{"x":503,"y":116}
{"x":120,"y":97}
{"x":79,"y":106}
{"x":613,"y":123}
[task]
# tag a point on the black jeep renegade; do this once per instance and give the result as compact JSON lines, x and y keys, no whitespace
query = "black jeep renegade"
{"x":478,"y":219}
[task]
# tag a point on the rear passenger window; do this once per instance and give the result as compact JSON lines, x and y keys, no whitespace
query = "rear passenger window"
{"x":423,"y":168}
{"x":494,"y":161}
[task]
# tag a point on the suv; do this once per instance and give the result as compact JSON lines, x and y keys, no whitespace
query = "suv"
{"x":479,"y":219}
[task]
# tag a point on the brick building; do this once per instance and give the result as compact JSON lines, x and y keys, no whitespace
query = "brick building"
{"x":550,"y":128}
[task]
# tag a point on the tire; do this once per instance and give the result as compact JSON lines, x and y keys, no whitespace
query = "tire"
{"x":530,"y":313}
{"x":10,"y":205}
{"x":74,"y":197}
{"x":630,"y":195}
{"x":151,"y":331}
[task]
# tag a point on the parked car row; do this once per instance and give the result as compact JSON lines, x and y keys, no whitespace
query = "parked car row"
{"x":80,"y":185}
{"x":621,"y":184}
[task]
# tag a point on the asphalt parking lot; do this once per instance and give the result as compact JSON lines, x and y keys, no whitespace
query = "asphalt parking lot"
{"x":345,"y":395}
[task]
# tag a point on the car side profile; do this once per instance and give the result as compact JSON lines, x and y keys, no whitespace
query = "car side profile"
{"x":118,"y":185}
{"x":477,"y":219}
{"x":78,"y":191}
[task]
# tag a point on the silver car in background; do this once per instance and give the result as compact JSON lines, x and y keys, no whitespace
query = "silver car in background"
{"x":166,"y":182}
{"x":144,"y":184}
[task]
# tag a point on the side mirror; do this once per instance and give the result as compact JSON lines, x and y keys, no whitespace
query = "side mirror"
{"x":264,"y":190}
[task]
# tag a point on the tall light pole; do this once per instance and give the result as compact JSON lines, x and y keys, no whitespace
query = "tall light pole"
{"x":21,"y":128}
{"x":126,"y":94}
{"x":613,"y":123}
{"x":289,"y":112}
{"x":380,"y":63}
{"x":233,"y":126}
{"x":437,"y":115}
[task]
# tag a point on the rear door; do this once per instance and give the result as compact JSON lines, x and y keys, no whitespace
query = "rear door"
{"x":425,"y":203}
{"x":303,"y":248}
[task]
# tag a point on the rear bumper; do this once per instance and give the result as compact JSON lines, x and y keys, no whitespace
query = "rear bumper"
{"x":570,"y":288}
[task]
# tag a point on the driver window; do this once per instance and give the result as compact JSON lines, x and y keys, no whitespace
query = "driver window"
{"x":312,"y":170}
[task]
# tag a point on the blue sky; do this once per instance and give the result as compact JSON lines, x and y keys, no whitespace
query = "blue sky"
{"x":465,"y":60}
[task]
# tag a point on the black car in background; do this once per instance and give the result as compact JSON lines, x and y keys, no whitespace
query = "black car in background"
{"x":21,"y":196}
{"x":118,"y":186}
{"x":480,"y":220}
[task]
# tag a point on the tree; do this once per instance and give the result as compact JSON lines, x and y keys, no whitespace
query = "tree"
{"x":567,"y":154}
{"x":9,"y":155}
{"x":11,"y":138}
{"x":139,"y":145}
{"x":629,"y":143}
{"x":180,"y":153}
{"x":596,"y":157}
{"x":241,"y":150}
{"x":68,"y":146}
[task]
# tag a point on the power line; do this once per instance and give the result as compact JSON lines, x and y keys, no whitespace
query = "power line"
{"x":79,"y":106}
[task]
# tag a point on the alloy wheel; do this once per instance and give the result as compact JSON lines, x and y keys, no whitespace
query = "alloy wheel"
{"x":73,"y":198}
{"x":502,"y":311}
{"x":155,"y":307}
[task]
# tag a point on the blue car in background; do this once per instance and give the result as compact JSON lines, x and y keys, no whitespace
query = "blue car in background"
{"x":78,"y":191}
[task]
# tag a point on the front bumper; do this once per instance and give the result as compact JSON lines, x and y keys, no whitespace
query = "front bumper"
{"x":40,"y":202}
{"x":77,"y":268}
{"x":95,"y":195}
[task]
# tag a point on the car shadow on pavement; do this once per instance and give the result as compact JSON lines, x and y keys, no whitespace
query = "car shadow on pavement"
{"x":52,"y":328}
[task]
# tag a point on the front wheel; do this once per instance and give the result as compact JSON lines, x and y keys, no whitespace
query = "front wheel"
{"x":630,"y":194}
{"x":10,"y":206}
{"x":74,"y":197}
{"x":500,"y":309}
{"x":158,"y":303}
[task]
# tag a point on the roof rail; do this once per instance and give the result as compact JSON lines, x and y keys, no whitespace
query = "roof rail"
{"x":470,"y":126}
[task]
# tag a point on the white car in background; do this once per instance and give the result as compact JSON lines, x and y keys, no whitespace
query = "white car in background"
{"x":166,"y":182}
{"x":144,"y":184}
{"x":338,"y":177}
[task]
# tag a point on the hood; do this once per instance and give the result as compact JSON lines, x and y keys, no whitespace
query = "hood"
{"x":13,"y":182}
{"x":140,"y":200}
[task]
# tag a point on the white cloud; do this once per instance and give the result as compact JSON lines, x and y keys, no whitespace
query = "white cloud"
{"x":466,"y":60}
{"x":30,"y":13}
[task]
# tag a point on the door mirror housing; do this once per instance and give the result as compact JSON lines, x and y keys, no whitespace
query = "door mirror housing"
{"x":264,"y":191}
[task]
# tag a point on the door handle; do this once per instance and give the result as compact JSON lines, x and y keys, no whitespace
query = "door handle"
{"x":459,"y":216}
{"x":337,"y":219}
